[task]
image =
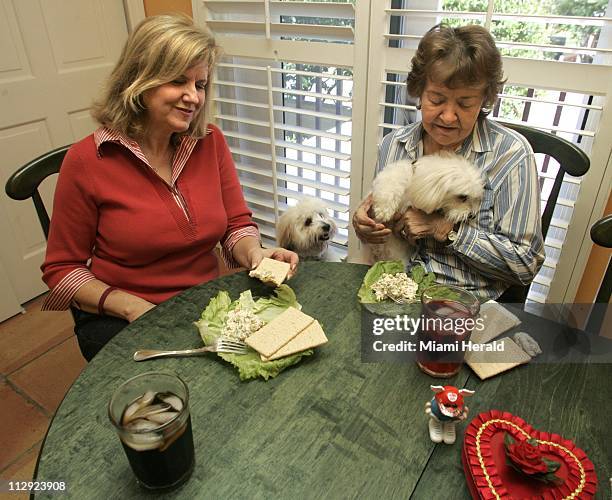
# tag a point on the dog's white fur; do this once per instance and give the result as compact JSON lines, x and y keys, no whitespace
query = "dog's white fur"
{"x":444,"y":182}
{"x":307,"y":228}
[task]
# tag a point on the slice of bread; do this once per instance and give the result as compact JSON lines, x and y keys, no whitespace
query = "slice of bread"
{"x":271,"y":271}
{"x":312,"y":336}
{"x":278,"y":332}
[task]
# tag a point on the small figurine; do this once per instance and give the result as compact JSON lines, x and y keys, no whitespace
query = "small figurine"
{"x":445,"y":409}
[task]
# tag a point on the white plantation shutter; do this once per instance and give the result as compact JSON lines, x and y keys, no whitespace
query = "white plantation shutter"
{"x":307,"y":90}
{"x":284,"y":100}
{"x":262,"y":17}
{"x":543,"y":90}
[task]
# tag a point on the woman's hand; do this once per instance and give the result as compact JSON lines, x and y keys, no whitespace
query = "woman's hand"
{"x":415,"y":224}
{"x":366,"y":228}
{"x":256,"y":255}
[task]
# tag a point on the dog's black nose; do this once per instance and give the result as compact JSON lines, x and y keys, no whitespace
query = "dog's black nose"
{"x":326,"y":227}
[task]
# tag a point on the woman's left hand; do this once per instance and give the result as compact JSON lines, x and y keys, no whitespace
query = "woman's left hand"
{"x":415,"y":224}
{"x":256,"y":255}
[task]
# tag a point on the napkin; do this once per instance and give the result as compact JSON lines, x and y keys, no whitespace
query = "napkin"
{"x":497,"y":320}
{"x":486,"y":364}
{"x":527,"y":343}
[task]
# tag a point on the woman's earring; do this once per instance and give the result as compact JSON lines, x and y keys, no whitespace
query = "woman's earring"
{"x":418,"y":104}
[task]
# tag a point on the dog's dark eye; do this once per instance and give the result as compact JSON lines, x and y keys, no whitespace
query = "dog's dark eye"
{"x":308,"y":221}
{"x":462,"y":197}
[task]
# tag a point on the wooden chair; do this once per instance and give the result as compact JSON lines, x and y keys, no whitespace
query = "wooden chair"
{"x":601,"y":234}
{"x":24,"y":183}
{"x":572,"y":160}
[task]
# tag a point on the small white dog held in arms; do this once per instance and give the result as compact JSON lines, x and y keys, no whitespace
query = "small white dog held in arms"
{"x":307,"y":228}
{"x":446,"y":183}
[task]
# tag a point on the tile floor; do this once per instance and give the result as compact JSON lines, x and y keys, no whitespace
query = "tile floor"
{"x":39,"y":360}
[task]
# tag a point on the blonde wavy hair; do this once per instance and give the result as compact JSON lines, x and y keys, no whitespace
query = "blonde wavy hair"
{"x":158,"y":51}
{"x":456,"y":57}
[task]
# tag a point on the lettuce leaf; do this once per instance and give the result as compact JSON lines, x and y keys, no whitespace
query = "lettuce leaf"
{"x":213,"y":317}
{"x":365,"y":294}
{"x":249,"y":365}
{"x":268,"y":308}
{"x":418,"y":273}
{"x":422,"y":278}
{"x":388,"y":307}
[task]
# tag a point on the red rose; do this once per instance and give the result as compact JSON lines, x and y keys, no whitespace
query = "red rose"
{"x":526,"y":457}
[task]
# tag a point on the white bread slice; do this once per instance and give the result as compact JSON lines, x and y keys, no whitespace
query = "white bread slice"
{"x":271,"y":271}
{"x":312,"y":336}
{"x":278,"y":332}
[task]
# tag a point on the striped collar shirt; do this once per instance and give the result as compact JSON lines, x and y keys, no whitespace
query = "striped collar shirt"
{"x":63,"y":293}
{"x":182,"y":154}
{"x":502,"y":244}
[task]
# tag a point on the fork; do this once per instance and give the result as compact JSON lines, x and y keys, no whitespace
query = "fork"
{"x":398,"y":301}
{"x":219,"y":345}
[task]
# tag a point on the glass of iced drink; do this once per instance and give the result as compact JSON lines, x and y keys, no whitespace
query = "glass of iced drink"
{"x":151,"y":415}
{"x":448,"y":318}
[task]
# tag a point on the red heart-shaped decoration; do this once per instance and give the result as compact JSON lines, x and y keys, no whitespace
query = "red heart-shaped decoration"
{"x":489,"y":476}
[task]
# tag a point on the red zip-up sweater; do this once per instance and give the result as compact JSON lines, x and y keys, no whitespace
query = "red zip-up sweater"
{"x":114,"y":219}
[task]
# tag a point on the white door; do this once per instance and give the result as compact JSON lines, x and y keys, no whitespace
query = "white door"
{"x":54,"y":56}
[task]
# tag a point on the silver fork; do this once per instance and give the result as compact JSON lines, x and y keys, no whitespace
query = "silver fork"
{"x":219,"y":345}
{"x":398,"y":301}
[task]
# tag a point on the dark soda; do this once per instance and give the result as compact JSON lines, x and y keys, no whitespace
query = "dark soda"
{"x":157,"y":438}
{"x":164,"y":467}
{"x":441,"y":336}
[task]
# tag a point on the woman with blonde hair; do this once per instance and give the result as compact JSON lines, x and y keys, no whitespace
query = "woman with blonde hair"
{"x":142,"y":202}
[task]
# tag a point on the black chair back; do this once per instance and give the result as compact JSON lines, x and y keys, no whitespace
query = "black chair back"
{"x":572,"y":160}
{"x":24,"y":183}
{"x":601,"y":234}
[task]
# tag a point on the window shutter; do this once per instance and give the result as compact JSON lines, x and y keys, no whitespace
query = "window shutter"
{"x":284,"y":102}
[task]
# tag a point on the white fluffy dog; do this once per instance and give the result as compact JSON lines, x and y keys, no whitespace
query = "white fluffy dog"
{"x":446,"y":183}
{"x":307,"y":228}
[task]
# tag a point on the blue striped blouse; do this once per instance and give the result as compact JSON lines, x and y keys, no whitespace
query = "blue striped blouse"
{"x":503,"y":244}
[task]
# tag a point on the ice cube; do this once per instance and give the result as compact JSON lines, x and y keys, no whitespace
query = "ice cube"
{"x":444,"y":311}
{"x":172,"y":400}
{"x":140,"y":402}
{"x":162,"y":418}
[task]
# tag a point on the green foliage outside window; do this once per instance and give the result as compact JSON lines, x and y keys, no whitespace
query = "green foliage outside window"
{"x":305,"y":82}
{"x":540,"y":33}
{"x":535,"y":32}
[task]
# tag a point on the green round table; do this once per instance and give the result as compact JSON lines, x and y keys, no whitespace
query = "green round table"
{"x":330,"y":426}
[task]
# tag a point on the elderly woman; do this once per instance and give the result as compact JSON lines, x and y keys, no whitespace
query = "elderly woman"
{"x":142,"y":202}
{"x":456,"y":74}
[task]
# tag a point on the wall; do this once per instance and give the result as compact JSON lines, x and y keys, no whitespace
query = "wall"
{"x":156,"y":7}
{"x":595,"y":268}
